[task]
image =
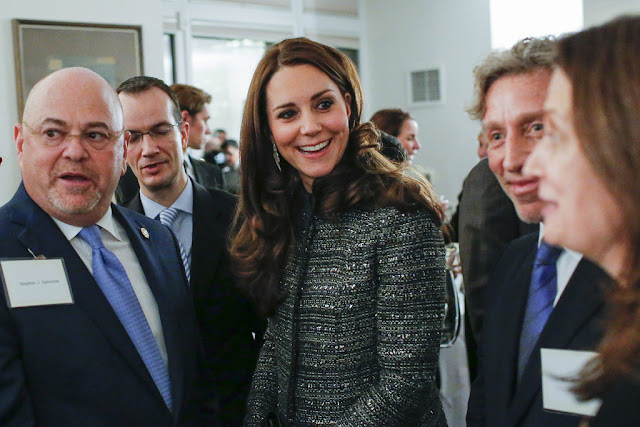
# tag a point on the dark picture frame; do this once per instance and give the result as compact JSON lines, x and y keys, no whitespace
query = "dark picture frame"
{"x":41,"y":47}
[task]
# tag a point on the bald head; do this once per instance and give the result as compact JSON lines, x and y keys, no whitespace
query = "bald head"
{"x":76,"y":85}
{"x":70,"y":145}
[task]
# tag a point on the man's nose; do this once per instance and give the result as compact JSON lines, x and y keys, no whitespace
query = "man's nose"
{"x":517,"y":149}
{"x":149,"y":146}
{"x":75,"y":148}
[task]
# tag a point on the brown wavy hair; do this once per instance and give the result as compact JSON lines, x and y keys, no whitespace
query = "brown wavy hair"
{"x":390,"y":120}
{"x":263,"y":230}
{"x":191,"y":99}
{"x":603,"y":66}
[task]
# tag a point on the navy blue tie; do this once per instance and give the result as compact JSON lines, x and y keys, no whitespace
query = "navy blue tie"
{"x":542,"y":293}
{"x":116,"y":287}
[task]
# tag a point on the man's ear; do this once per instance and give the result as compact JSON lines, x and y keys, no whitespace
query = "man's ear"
{"x":184,"y":133}
{"x":125,"y":146}
{"x":185,"y":115}
{"x":18,"y":136}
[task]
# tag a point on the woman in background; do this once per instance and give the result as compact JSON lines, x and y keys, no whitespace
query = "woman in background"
{"x":589,"y":169}
{"x":340,"y":248}
{"x":400,"y":124}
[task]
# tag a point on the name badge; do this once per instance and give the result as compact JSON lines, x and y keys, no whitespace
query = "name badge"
{"x":559,"y":368}
{"x":33,"y":282}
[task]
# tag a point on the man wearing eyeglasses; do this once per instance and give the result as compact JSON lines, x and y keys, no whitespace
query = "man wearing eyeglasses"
{"x":96,"y":323}
{"x":201,"y":218}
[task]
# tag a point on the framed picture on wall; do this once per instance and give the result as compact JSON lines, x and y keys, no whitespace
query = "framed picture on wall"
{"x":41,"y":47}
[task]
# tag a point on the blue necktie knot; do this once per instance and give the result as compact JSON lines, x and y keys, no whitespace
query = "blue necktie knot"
{"x":91,"y":235}
{"x":168,"y":216}
{"x":547,"y":254}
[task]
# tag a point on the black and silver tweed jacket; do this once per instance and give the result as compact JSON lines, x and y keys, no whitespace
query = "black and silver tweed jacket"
{"x":356,"y":341}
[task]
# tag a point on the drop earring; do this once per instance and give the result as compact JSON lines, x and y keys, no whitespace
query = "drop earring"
{"x":276,"y":156}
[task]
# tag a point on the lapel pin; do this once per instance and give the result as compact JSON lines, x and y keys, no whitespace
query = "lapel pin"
{"x":144,"y":232}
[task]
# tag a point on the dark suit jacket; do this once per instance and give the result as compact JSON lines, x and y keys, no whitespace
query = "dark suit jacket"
{"x":75,"y":364}
{"x":207,"y":174}
{"x":575,"y":323}
{"x":620,"y":405}
{"x":226,"y":319}
{"x":487,"y":222}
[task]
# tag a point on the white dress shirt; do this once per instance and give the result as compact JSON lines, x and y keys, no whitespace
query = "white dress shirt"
{"x":183,"y":224}
{"x":114,"y":237}
{"x":565,"y":266}
{"x":188,"y":167}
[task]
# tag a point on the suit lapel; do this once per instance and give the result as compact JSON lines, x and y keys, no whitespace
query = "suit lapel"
{"x":197,"y":172}
{"x":205,"y":255}
{"x":153,"y":271}
{"x":580,"y":302}
{"x":135,"y":204}
{"x":514,"y":297}
{"x":43,"y":237}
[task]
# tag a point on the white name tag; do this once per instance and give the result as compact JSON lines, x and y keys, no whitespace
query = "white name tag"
{"x":558,"y":367}
{"x":29,"y":282}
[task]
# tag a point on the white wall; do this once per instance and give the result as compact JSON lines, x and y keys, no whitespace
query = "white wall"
{"x":599,"y":11}
{"x":413,"y":35}
{"x":147,"y":13}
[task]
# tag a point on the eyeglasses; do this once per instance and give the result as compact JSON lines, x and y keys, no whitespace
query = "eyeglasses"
{"x":53,"y":135}
{"x":157,"y":133}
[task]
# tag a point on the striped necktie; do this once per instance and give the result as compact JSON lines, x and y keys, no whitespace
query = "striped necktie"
{"x":116,"y":287}
{"x":167,"y":217}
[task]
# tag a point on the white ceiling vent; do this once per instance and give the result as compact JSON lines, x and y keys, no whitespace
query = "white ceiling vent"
{"x":426,"y":87}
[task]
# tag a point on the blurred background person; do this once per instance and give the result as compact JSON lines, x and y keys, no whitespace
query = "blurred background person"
{"x":400,"y":124}
{"x":194,"y":109}
{"x":231,"y":168}
{"x":212,"y":151}
{"x":588,"y":165}
{"x":483,"y":144}
{"x":221,"y":134}
{"x":340,"y":248}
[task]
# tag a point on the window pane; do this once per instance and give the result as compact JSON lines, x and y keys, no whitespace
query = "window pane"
{"x":224,"y":68}
{"x":169,"y":59}
{"x":514,"y":20}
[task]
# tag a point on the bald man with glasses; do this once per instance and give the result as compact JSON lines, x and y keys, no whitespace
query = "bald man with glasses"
{"x":96,"y":323}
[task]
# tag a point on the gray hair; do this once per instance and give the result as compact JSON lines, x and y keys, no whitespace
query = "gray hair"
{"x":525,"y":56}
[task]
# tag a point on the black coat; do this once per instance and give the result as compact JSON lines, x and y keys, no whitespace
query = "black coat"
{"x":74,"y":364}
{"x":575,"y":324}
{"x":226,"y":319}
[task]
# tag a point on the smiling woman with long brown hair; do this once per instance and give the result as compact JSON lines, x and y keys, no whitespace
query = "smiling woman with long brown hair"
{"x":340,"y":248}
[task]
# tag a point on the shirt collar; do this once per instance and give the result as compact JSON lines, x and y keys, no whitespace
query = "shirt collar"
{"x":183,"y":203}
{"x":106,"y":222}
{"x":572,"y":254}
{"x":187,"y":160}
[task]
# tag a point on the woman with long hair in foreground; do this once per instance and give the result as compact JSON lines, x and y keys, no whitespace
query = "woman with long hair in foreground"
{"x":589,"y":169}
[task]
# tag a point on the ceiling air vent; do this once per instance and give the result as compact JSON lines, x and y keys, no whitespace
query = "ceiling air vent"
{"x":425,"y":87}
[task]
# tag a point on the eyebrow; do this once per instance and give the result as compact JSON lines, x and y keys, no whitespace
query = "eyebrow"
{"x":526,"y":117}
{"x":155,"y":125}
{"x":90,"y":125}
{"x":58,"y":122}
{"x":313,"y":97}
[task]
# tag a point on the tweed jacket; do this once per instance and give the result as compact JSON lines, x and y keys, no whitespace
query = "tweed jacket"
{"x":356,"y":339}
